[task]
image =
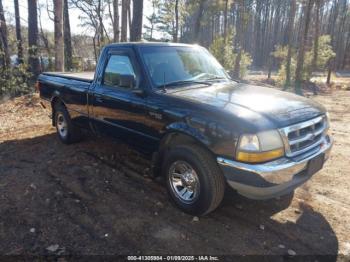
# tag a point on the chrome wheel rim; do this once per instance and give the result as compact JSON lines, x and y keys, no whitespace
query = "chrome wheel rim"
{"x":61,"y":124}
{"x":184,"y":181}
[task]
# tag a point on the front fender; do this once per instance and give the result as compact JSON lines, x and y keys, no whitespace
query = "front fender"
{"x":184,"y":128}
{"x":218,"y":138}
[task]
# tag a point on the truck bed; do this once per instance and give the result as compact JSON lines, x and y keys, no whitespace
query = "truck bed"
{"x":80,"y":76}
{"x":71,"y":87}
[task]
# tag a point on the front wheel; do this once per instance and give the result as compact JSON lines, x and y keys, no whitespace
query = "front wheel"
{"x":194,"y":181}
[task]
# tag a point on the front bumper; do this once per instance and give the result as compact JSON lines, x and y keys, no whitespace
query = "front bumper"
{"x":271,"y":179}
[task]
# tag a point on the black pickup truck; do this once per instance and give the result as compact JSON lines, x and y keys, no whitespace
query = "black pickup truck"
{"x":201,"y":129}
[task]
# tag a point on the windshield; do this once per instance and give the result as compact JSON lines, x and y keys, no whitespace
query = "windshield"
{"x":169,"y":65}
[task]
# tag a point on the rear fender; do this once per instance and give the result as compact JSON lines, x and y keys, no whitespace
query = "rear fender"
{"x":56,"y":99}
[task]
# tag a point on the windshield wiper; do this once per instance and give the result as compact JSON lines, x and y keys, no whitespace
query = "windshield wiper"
{"x":215,"y":78}
{"x":183,"y":82}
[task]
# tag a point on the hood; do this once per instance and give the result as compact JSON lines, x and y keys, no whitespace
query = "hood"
{"x":255,"y":103}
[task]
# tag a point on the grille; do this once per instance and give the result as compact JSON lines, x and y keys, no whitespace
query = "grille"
{"x":303,"y":137}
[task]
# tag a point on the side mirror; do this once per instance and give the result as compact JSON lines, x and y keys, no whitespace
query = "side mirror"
{"x":127,"y":81}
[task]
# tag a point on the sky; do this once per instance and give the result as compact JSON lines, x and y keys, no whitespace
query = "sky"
{"x":47,"y":22}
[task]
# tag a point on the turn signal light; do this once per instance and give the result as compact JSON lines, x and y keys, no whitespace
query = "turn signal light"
{"x":258,"y":157}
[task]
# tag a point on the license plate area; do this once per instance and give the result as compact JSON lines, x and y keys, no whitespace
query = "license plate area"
{"x":315,"y":164}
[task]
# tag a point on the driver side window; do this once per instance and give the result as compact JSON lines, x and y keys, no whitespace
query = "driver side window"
{"x":117,"y":65}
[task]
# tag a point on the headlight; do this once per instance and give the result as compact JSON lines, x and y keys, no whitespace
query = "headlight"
{"x":262,"y":147}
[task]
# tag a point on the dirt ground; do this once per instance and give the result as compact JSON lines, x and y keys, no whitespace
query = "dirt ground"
{"x":96,"y":197}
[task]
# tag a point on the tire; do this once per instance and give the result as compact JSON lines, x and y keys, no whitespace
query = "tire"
{"x":206,"y":185}
{"x":66,"y":131}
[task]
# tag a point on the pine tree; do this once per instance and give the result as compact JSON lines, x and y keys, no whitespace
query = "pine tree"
{"x":33,"y":35}
{"x":68,"y":53}
{"x":136,"y":26}
{"x":3,"y":38}
{"x":302,"y":46}
{"x":152,"y":21}
{"x":59,"y":39}
{"x":18,"y":33}
{"x":290,"y":41}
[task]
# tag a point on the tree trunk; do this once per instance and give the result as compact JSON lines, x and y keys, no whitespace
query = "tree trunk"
{"x":264,"y":32}
{"x":302,"y":45}
{"x":59,"y":41}
{"x":329,"y":73}
{"x":95,"y":48}
{"x":116,"y":31}
{"x":276,"y":25}
{"x":124,"y":29}
{"x":100,"y":25}
{"x":68,"y":54}
{"x":236,"y":44}
{"x":18,"y":33}
{"x":197,"y":24}
{"x":136,"y":26}
{"x":269,"y":67}
{"x":346,"y":52}
{"x":225,"y":19}
{"x":237,"y":67}
{"x":257,"y":52}
{"x":4,"y":37}
{"x":240,"y":28}
{"x":33,"y":60}
{"x":129,"y":17}
{"x":290,"y":42}
{"x":175,"y":37}
{"x":331,"y":63}
{"x":341,"y":33}
{"x":331,"y":30}
{"x":317,"y":35}
{"x":45,"y":40}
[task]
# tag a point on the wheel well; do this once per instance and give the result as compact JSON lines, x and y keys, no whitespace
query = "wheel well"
{"x":174,"y":138}
{"x":168,"y":141}
{"x":55,"y":101}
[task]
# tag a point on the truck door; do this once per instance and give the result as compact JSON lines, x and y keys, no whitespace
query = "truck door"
{"x":117,"y":110}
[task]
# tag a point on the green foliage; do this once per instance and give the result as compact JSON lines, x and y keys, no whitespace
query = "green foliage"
{"x":152,"y":20}
{"x":282,"y":72}
{"x":224,"y":53}
{"x":14,"y":81}
{"x":246,"y":61}
{"x":325,"y":53}
{"x":280,"y":54}
{"x":165,"y":18}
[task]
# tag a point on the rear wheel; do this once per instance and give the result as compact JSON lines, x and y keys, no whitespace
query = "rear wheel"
{"x":66,"y":131}
{"x":194,"y":181}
